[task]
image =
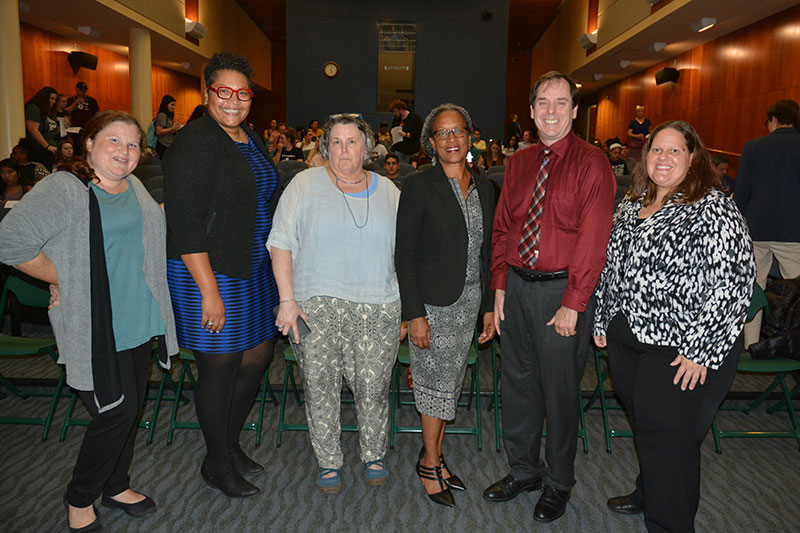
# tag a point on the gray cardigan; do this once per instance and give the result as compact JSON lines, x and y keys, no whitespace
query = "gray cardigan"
{"x":53,"y":218}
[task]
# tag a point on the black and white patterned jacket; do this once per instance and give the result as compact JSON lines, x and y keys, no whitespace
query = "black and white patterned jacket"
{"x":683,"y":277}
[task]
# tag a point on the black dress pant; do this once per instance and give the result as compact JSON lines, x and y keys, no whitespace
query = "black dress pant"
{"x":107,"y":449}
{"x":541,"y":374}
{"x":669,"y":424}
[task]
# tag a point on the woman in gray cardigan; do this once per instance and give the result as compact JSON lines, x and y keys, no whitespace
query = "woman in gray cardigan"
{"x":95,"y":233}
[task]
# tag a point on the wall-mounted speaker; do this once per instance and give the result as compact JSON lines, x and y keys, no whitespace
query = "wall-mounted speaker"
{"x":80,"y":60}
{"x":666,"y":74}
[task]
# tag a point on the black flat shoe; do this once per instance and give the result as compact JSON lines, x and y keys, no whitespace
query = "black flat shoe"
{"x":627,"y":504}
{"x":94,"y":527}
{"x":509,"y":487}
{"x":143,"y":508}
{"x":243,"y":464}
{"x":454,"y":482}
{"x":229,"y":482}
{"x":552,"y":504}
{"x":443,"y":497}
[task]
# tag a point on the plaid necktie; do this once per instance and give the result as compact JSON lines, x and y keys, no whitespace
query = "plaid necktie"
{"x":531,"y":230}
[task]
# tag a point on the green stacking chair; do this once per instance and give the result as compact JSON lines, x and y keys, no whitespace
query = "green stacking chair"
{"x":495,"y":404}
{"x":29,"y":293}
{"x":148,"y":424}
{"x":403,"y":359}
{"x":288,"y":376}
{"x":601,"y":365}
{"x":779,"y":366}
{"x":264,"y":397}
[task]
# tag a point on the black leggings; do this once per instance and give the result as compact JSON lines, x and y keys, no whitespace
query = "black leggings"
{"x":668,"y":424}
{"x":107,"y":448}
{"x":226,"y":386}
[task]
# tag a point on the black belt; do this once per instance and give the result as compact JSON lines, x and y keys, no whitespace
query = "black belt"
{"x":535,"y":275}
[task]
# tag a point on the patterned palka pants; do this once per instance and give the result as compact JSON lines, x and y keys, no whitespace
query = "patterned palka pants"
{"x":358,"y":341}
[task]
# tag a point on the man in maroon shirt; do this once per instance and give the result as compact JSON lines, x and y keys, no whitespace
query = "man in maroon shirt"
{"x":549,"y":245}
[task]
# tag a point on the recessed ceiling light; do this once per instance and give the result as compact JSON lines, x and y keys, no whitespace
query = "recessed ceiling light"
{"x":598,"y":76}
{"x":702,"y":24}
{"x":624,"y":63}
{"x":656,"y":47}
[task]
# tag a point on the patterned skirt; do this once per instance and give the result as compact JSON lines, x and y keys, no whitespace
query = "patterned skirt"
{"x":439,"y":371}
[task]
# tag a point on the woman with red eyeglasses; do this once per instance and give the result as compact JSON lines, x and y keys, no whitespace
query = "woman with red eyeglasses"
{"x":220,"y":193}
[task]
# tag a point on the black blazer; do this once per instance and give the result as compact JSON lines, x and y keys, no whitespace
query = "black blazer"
{"x":210,"y":196}
{"x":431,"y":243}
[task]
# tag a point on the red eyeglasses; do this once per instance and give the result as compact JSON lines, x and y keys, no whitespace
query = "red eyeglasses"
{"x":225,"y":93}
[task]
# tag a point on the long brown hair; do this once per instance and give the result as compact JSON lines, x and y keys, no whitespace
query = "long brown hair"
{"x":699,"y":180}
{"x":98,"y":123}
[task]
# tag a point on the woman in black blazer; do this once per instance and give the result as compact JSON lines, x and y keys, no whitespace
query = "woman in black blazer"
{"x":220,"y":190}
{"x":442,"y":254}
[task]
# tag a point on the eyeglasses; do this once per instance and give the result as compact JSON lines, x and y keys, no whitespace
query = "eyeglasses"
{"x":458,"y":132}
{"x":345,"y":115}
{"x":225,"y":93}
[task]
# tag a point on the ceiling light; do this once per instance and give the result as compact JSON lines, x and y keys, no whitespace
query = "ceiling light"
{"x":702,"y":24}
{"x":598,"y":76}
{"x":88,"y":30}
{"x":656,"y":47}
{"x":578,"y":85}
{"x":186,"y":65}
{"x":587,"y":40}
{"x":624,"y":63}
{"x":195,"y":29}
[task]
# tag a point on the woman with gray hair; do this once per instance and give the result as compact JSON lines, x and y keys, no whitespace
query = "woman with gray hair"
{"x":444,"y":233}
{"x":332,"y":247}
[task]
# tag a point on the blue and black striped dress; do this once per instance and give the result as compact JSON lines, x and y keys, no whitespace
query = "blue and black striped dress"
{"x":248,"y":302}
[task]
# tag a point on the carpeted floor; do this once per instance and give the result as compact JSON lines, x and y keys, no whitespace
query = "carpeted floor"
{"x":752,"y":486}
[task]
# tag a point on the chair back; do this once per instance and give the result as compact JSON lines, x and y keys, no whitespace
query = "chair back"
{"x":155,"y":182}
{"x":289,"y":165}
{"x":497,"y":169}
{"x":758,"y":303}
{"x":426,"y":166}
{"x":28,"y":293}
{"x":405,"y":168}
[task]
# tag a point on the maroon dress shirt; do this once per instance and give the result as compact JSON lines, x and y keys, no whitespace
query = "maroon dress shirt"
{"x":576,"y":219}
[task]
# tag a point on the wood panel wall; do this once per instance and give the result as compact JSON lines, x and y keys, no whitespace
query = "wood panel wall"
{"x":44,"y":62}
{"x":724,"y":88}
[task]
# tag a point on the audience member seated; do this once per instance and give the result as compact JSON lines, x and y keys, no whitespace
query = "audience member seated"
{"x":14,"y":182}
{"x":66,"y":151}
{"x":199,"y":111}
{"x":721,"y":163}
{"x":384,"y":137}
{"x":21,"y":155}
{"x":271,"y":134}
{"x":307,"y":143}
{"x":391,"y":164}
{"x":422,"y":158}
{"x":626,"y":155}
{"x":379,"y":151}
{"x":62,"y":116}
{"x":615,"y":158}
{"x":285,"y":150}
{"x":478,"y":143}
{"x":494,"y":156}
{"x":314,"y":126}
{"x":41,"y":126}
{"x":527,"y":140}
{"x":511,"y":146}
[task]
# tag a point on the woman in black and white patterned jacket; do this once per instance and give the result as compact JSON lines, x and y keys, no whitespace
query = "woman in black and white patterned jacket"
{"x":672,"y":302}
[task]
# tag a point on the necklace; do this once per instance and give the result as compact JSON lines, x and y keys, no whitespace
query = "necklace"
{"x":347,"y":203}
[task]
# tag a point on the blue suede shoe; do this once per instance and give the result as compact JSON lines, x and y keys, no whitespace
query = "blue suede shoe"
{"x":330,"y":484}
{"x":376,"y":476}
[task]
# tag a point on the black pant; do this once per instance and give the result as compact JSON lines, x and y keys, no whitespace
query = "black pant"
{"x":541,"y":374}
{"x":107,"y":449}
{"x":669,"y":424}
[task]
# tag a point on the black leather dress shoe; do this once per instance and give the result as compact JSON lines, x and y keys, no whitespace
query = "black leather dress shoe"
{"x":142,"y":508}
{"x":552,"y":504}
{"x":625,"y":504}
{"x":243,"y":464}
{"x":508,"y":488}
{"x":229,"y":481}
